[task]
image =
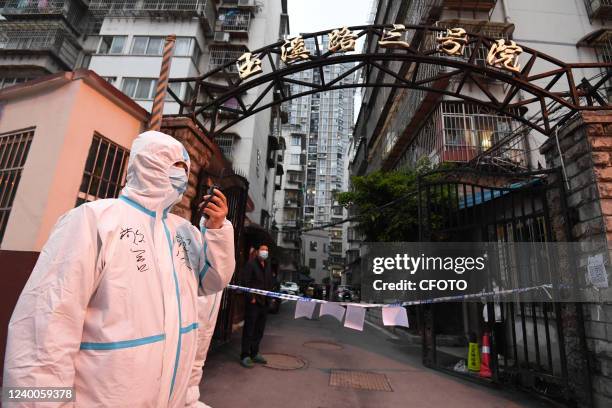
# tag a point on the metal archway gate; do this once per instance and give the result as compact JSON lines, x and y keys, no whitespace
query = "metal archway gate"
{"x":439,"y":60}
{"x":259,"y":79}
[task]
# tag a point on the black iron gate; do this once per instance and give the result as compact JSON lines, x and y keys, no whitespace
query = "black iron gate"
{"x":527,"y":339}
{"x":235,"y":188}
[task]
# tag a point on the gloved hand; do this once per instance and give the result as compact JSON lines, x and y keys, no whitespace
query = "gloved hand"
{"x":215,"y":209}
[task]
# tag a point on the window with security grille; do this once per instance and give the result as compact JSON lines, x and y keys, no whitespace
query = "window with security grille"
{"x":10,"y":81}
{"x":104,"y":172}
{"x":225,"y":143}
{"x":14,"y":148}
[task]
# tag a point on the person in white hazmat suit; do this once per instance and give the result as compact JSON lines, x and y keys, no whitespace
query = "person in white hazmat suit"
{"x":111,"y":307}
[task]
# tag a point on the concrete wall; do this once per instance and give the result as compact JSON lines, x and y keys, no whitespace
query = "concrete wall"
{"x":145,"y":66}
{"x":65,"y":119}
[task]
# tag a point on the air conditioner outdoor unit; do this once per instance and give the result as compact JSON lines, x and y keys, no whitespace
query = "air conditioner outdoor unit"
{"x":220,"y":36}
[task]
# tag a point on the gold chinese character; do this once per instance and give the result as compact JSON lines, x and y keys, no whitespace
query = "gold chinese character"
{"x":505,"y":56}
{"x":392,"y":38}
{"x":294,"y":49}
{"x":454,"y":41}
{"x":248,"y":65}
{"x":342,"y":40}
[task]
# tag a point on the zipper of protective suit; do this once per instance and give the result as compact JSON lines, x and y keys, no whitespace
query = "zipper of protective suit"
{"x":178,"y":300}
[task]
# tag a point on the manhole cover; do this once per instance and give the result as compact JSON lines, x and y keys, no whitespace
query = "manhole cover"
{"x":323,"y":345}
{"x":360,"y":380}
{"x":280,"y":361}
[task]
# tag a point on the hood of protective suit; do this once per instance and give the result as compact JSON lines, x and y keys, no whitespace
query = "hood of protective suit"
{"x":148,"y":180}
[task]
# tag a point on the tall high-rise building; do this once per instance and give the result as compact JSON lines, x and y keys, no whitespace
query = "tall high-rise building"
{"x":317,"y":136}
{"x":122,"y":41}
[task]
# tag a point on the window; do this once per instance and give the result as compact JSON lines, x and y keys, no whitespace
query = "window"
{"x":312,"y":263}
{"x":155,"y":46}
{"x":104,"y":171}
{"x":139,"y":88}
{"x":139,"y":45}
{"x":14,"y":148}
{"x":176,"y":88}
{"x":296,"y":140}
{"x":10,"y":81}
{"x":111,"y":44}
{"x":182,"y":47}
{"x":313,"y":245}
{"x":225,"y":142}
{"x":147,"y":46}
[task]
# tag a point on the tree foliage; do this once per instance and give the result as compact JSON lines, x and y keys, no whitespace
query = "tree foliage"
{"x":395,"y":223}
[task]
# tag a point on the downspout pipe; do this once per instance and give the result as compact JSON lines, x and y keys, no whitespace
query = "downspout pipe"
{"x":505,"y":11}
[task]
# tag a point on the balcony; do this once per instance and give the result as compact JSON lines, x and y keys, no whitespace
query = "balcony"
{"x":292,"y":203}
{"x":204,"y":10}
{"x":221,"y":55}
{"x":292,"y":223}
{"x":458,"y":132}
{"x":234,"y":21}
{"x":73,"y":11}
{"x":27,"y":38}
{"x":472,"y":5}
{"x":599,"y":9}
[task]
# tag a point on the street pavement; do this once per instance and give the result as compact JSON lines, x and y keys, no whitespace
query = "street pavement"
{"x":227,"y":384}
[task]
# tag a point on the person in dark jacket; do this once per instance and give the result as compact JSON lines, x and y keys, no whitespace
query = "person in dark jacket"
{"x":258,"y":275}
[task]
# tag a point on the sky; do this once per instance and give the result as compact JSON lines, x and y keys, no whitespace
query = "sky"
{"x":307,"y":16}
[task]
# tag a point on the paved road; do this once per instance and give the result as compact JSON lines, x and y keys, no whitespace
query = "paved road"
{"x":227,"y":384}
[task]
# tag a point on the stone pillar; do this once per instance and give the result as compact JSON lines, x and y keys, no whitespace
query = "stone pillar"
{"x":586,"y":147}
{"x":204,"y":154}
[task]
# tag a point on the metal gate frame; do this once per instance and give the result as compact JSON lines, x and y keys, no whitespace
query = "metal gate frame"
{"x":516,"y":212}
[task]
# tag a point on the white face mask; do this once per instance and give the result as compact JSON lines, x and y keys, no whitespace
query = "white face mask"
{"x":178,"y":179}
{"x":263,"y":255}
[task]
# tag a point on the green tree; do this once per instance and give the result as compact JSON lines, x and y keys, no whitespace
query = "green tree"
{"x":397,"y":222}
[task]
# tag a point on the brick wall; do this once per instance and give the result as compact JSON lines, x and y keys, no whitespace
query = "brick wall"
{"x":586,"y":146}
{"x":204,"y":154}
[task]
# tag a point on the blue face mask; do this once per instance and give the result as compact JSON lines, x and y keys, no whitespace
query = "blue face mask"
{"x":178,"y":179}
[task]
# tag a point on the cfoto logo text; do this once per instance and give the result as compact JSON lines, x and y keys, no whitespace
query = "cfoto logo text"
{"x":425,"y":285}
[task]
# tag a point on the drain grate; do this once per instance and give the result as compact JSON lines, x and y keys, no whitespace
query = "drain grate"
{"x":360,"y":380}
{"x":323,"y":345}
{"x":279,"y":361}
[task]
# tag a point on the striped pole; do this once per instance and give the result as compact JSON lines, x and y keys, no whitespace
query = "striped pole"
{"x":162,"y":84}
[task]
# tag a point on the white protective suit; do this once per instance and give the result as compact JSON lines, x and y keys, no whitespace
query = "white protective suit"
{"x":111,"y":306}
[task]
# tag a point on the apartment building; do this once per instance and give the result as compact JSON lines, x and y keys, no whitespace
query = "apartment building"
{"x":445,"y":129}
{"x":317,"y":135}
{"x":122,"y":41}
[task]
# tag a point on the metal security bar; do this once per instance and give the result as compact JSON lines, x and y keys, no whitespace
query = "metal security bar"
{"x":205,"y":10}
{"x":72,"y":10}
{"x":234,"y":19}
{"x":529,"y":346}
{"x":225,"y":142}
{"x":599,"y":8}
{"x":220,"y":56}
{"x":49,"y":37}
{"x":458,"y":132}
{"x":130,"y":7}
{"x":14,"y":148}
{"x":104,"y":171}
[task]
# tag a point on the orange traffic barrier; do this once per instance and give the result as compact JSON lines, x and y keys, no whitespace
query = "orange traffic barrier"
{"x":485,"y":360}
